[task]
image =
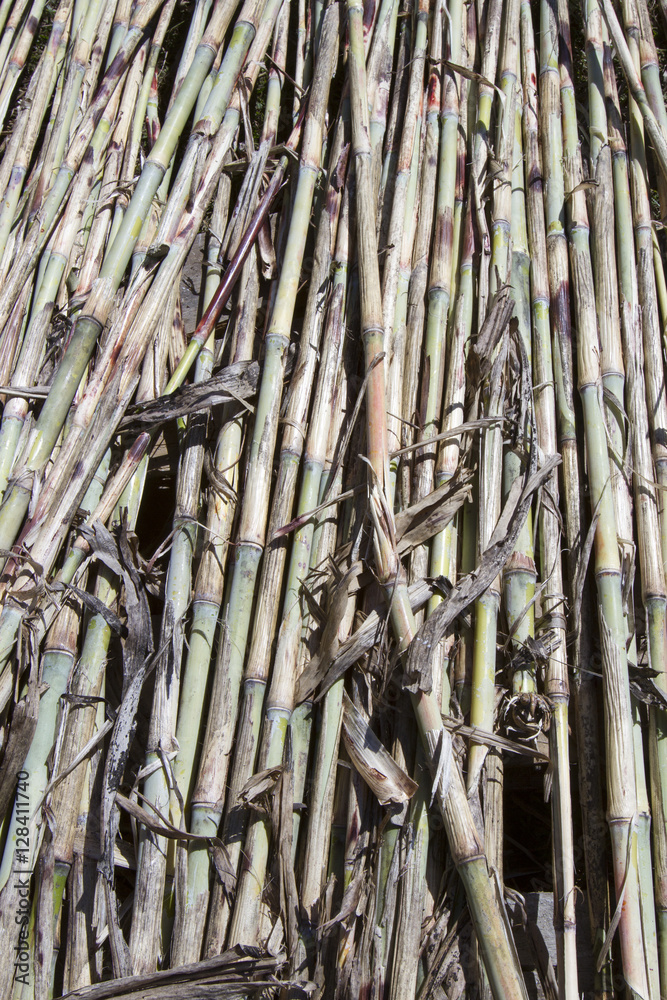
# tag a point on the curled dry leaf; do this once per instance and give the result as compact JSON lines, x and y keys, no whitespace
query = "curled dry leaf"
{"x":363,"y":639}
{"x":238,"y":382}
{"x":420,"y":522}
{"x":259,"y":785}
{"x":375,"y":765}
{"x":329,"y":643}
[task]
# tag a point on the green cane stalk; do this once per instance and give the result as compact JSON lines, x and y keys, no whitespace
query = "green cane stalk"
{"x":520,"y":575}
{"x":646,"y":498}
{"x":133,"y":145}
{"x":482,"y":144}
{"x":25,"y":132}
{"x":96,"y":18}
{"x":83,"y":718}
{"x":416,"y":306}
{"x":91,"y":322}
{"x":394,"y":132}
{"x":380,"y":63}
{"x":321,"y":812}
{"x":27,"y":824}
{"x":57,"y":259}
{"x":557,"y":687}
{"x":129,"y":350}
{"x":441,"y":262}
{"x":487,"y":607}
{"x":654,"y":127}
{"x":152,"y":859}
{"x":11,"y":27}
{"x":18,"y":57}
{"x":401,"y":230}
{"x":613,"y":377}
{"x":253,"y":516}
{"x":257,"y":670}
{"x":49,"y":706}
{"x":465,"y":845}
{"x":206,"y":801}
{"x":621,"y":783}
{"x":460,"y":314}
{"x":391,"y":915}
{"x":559,"y":290}
{"x":120,"y":163}
{"x":190,"y":919}
{"x":643,"y":233}
{"x":127,"y":343}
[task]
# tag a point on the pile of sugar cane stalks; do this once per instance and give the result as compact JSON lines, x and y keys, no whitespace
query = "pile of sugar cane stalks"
{"x":333,"y":631}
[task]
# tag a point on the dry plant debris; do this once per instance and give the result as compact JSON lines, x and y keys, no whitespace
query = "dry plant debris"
{"x":333,"y":619}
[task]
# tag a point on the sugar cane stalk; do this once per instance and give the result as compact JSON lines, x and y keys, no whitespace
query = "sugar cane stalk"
{"x":465,"y":845}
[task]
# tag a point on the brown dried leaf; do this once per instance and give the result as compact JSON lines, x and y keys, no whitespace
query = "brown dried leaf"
{"x":239,"y":972}
{"x":163,"y":828}
{"x":493,"y":328}
{"x":427,"y":517}
{"x":225,"y":869}
{"x":375,"y":765}
{"x":261,"y":784}
{"x":484,"y":738}
{"x":644,"y":688}
{"x":329,"y":643}
{"x":350,"y":902}
{"x":366,"y":636}
{"x":238,"y":382}
{"x":455,"y":432}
